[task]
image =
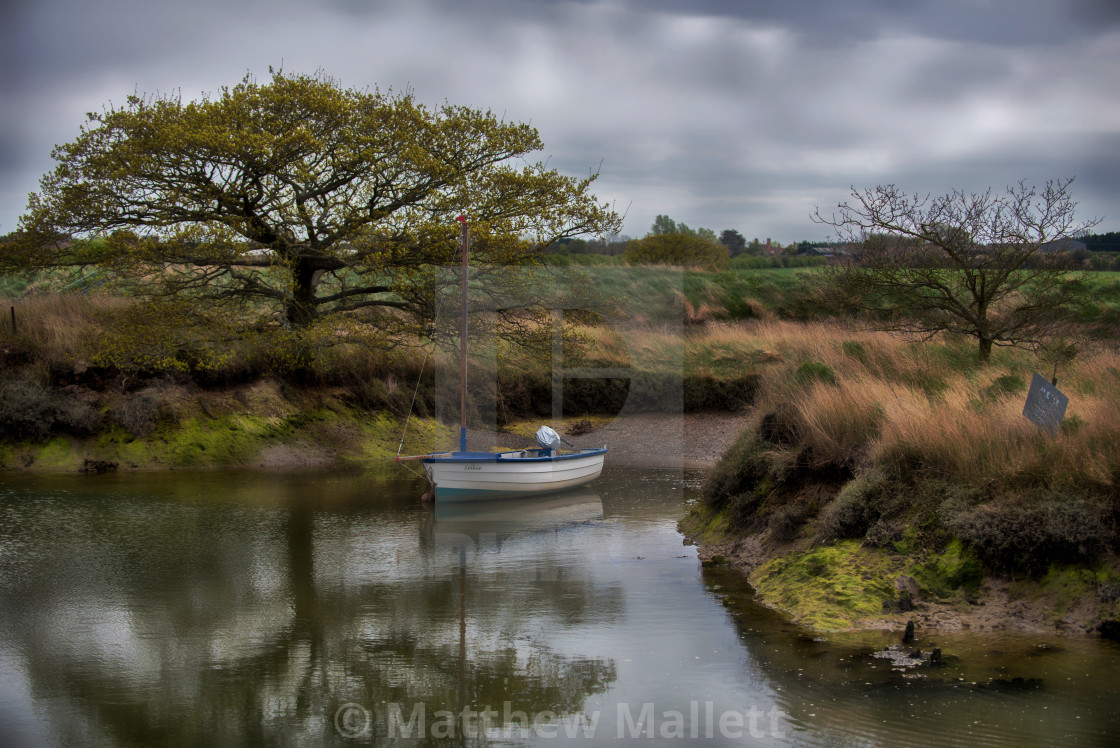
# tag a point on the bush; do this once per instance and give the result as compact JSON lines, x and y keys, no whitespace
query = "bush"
{"x":1008,"y":384}
{"x":138,"y":414}
{"x":677,"y":249}
{"x":787,"y":520}
{"x":738,"y":479}
{"x":1028,"y":534}
{"x":857,"y":507}
{"x":856,"y":350}
{"x":780,"y":427}
{"x":27,"y":411}
{"x":705,"y":392}
{"x":74,"y":417}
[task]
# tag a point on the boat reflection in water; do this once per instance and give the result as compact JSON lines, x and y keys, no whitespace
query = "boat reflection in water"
{"x":512,"y":530}
{"x":501,"y":518}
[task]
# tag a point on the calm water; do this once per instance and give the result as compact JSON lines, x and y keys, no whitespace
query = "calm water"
{"x":311,"y":609}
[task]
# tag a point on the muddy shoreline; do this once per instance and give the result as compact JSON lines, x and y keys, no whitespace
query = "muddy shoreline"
{"x":994,"y":609}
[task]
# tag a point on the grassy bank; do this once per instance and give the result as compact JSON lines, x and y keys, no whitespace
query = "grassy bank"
{"x":94,"y":380}
{"x":165,"y":425}
{"x":98,"y":368}
{"x":878,"y":474}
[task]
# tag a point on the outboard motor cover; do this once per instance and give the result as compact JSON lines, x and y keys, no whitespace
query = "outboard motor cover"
{"x":547,"y":438}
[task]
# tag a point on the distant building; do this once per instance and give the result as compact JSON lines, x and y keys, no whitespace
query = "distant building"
{"x":1063,"y":245}
{"x":832,"y":254}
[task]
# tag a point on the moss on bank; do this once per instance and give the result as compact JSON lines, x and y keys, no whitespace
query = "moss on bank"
{"x":847,"y":584}
{"x":829,"y":588}
{"x":238,"y":428}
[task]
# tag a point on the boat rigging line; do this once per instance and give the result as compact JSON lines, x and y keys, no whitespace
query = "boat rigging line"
{"x":424,"y":365}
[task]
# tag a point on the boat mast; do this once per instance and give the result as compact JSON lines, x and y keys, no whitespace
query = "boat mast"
{"x":463,"y":232}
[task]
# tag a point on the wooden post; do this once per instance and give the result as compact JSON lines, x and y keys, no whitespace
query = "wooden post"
{"x":13,"y":320}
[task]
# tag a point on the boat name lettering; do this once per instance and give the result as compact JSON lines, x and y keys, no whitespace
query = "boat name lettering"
{"x":472,"y":467}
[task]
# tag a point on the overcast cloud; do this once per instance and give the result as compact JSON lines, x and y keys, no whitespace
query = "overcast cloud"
{"x":721,"y":114}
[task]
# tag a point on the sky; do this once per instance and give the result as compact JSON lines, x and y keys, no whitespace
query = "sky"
{"x":723,"y":114}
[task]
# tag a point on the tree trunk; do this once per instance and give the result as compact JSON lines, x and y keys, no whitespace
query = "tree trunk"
{"x":300,"y":308}
{"x":985,"y":351}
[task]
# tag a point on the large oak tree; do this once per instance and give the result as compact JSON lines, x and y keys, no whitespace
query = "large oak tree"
{"x":297,"y":196}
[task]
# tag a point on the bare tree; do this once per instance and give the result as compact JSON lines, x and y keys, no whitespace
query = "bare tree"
{"x":989,"y":266}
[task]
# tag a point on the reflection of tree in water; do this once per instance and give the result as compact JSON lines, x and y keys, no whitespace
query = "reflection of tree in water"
{"x":241,"y":625}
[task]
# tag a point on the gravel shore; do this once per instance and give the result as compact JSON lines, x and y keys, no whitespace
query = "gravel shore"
{"x":689,"y":440}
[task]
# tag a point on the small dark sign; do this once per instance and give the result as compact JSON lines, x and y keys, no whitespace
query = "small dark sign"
{"x":1046,"y":405}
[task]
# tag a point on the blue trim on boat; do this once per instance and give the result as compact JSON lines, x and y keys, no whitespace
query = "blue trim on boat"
{"x":497,"y":456}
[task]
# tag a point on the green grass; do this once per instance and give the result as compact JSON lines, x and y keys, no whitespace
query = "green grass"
{"x":739,"y":294}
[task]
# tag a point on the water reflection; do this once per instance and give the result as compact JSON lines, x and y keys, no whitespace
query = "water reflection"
{"x":185,"y":617}
{"x":302,"y":609}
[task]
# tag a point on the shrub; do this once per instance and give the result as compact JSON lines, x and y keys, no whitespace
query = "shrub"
{"x":1008,"y":384}
{"x":739,"y":478}
{"x":75,"y":417}
{"x":1028,"y":534}
{"x":677,"y":249}
{"x":705,"y":392}
{"x":855,"y":509}
{"x":27,"y":411}
{"x":740,"y":468}
{"x":855,"y":349}
{"x":1072,"y":424}
{"x":779,"y":427}
{"x":138,"y":414}
{"x":788,"y":519}
{"x":932,"y":384}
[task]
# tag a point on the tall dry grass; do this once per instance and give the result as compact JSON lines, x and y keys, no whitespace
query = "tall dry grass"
{"x":52,"y":327}
{"x":863,"y":398}
{"x":59,"y":330}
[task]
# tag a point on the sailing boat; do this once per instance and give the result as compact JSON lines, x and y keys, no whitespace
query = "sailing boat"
{"x":472,"y":476}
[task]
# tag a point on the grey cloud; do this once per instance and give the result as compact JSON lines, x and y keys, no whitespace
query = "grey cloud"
{"x":1007,"y":23}
{"x":723,"y":114}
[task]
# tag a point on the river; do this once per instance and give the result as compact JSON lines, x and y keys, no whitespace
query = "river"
{"x":331,"y":608}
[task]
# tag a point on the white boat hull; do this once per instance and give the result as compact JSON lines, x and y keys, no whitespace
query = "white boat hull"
{"x":473,"y":476}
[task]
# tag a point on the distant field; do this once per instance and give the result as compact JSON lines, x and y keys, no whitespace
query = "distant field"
{"x":730,"y":295}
